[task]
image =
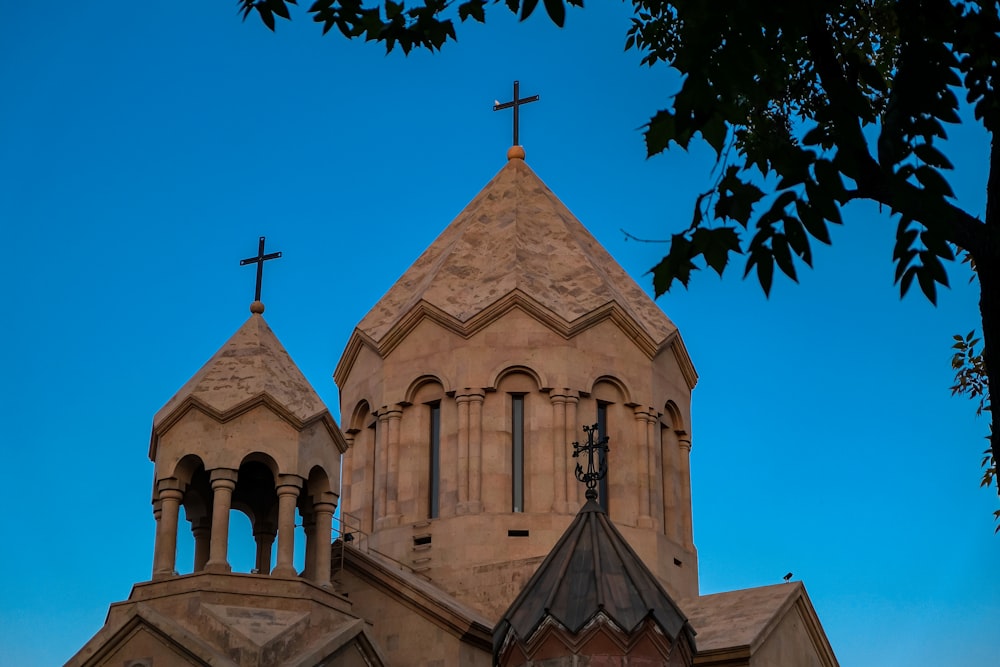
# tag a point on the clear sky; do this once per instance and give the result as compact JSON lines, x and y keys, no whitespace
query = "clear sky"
{"x":144,"y":148}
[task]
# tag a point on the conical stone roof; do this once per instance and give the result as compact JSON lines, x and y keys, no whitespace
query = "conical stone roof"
{"x":516,"y":235}
{"x":252,"y":363}
{"x":591,"y":570}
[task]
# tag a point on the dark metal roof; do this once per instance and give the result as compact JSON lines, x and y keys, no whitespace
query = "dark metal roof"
{"x":590,"y":570}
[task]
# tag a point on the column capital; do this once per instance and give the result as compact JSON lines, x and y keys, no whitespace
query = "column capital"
{"x":288,"y":484}
{"x":223,"y":474}
{"x":683,"y":440}
{"x":171,"y":494}
{"x":324,"y":507}
{"x":564,"y":394}
{"x":469,"y":394}
{"x":645,"y":412}
{"x":169,"y":484}
{"x":387,"y":412}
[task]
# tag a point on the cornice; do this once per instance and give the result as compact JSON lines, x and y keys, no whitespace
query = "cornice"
{"x":223,"y":416}
{"x":513,"y":300}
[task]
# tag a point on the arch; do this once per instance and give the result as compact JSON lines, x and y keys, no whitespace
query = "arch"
{"x":359,"y":417}
{"x":625,"y":394}
{"x":187,"y":467}
{"x":516,"y":369}
{"x":318,"y":482}
{"x":419,"y":383}
{"x":263,"y":459}
{"x":674,"y":417}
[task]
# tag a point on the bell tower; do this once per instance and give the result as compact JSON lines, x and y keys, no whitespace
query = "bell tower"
{"x":247,"y":433}
{"x":464,"y":387}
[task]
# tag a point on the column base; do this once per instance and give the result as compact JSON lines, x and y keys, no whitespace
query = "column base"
{"x":217,"y":568}
{"x":646,"y":522}
{"x":163,"y":574}
{"x":285,"y":571}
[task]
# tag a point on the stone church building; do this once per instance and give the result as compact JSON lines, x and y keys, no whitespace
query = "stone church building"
{"x":464,"y":537}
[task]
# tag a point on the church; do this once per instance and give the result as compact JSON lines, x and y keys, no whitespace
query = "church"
{"x":463,"y":534}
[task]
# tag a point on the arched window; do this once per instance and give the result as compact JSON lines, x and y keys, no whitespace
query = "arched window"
{"x":517,"y":451}
{"x":602,"y":432}
{"x":434,"y":476}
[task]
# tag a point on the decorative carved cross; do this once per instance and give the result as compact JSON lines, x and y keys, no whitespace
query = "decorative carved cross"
{"x":259,"y":261}
{"x":516,"y":103}
{"x":594,"y":474}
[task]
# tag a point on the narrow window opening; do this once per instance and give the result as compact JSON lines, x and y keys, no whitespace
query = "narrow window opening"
{"x":677,"y":562}
{"x":435,"y":462}
{"x":421,"y":540}
{"x":602,"y":431}
{"x":517,"y":451}
{"x":517,"y":533}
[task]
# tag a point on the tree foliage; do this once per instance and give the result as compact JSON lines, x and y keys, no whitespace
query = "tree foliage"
{"x":808,"y":106}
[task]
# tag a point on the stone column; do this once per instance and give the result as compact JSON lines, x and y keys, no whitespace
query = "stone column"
{"x":392,"y":418}
{"x":165,"y":551}
{"x":288,"y":494}
{"x":223,"y":482}
{"x":652,"y":425}
{"x":560,"y":447}
{"x":574,"y":498}
{"x":309,"y":528}
{"x":684,"y":441}
{"x":671,"y":483}
{"x":263,"y":535}
{"x":380,"y":476}
{"x":476,"y":451}
{"x":462,"y":464}
{"x":323,"y":512}
{"x":644,"y":444}
{"x":202,"y":532}
{"x":347,"y":473}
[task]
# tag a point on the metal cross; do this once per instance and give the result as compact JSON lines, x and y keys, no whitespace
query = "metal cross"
{"x":594,"y":474}
{"x":259,"y":261}
{"x":516,"y":103}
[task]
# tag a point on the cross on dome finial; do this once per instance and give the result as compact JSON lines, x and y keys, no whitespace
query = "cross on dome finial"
{"x":257,"y":306}
{"x":515,"y":104}
{"x":593,"y":474}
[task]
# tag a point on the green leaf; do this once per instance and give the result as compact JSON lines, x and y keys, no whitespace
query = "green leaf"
{"x":932,"y":156}
{"x":474,"y":9}
{"x":782,"y":256}
{"x":715,"y":245}
{"x":527,"y":7}
{"x":557,"y":11}
{"x":677,"y":265}
{"x":812,"y":221}
{"x":797,"y":239}
{"x":933,"y":182}
{"x":660,"y":131}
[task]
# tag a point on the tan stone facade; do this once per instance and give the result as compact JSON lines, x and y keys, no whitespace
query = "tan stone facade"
{"x":462,"y":392}
{"x":514,"y":302}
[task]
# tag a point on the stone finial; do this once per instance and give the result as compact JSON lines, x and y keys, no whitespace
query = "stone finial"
{"x":515,"y":153}
{"x":257,"y":307}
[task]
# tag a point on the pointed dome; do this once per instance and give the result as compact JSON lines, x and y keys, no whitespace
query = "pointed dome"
{"x":251,"y":364}
{"x":516,"y":235}
{"x":591,"y":570}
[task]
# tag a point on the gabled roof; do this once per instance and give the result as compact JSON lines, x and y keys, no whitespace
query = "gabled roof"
{"x":253,"y":363}
{"x":737,"y":623}
{"x":591,"y":570}
{"x":515,"y":235}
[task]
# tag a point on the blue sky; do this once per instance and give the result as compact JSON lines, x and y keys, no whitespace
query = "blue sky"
{"x":143,"y":150}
